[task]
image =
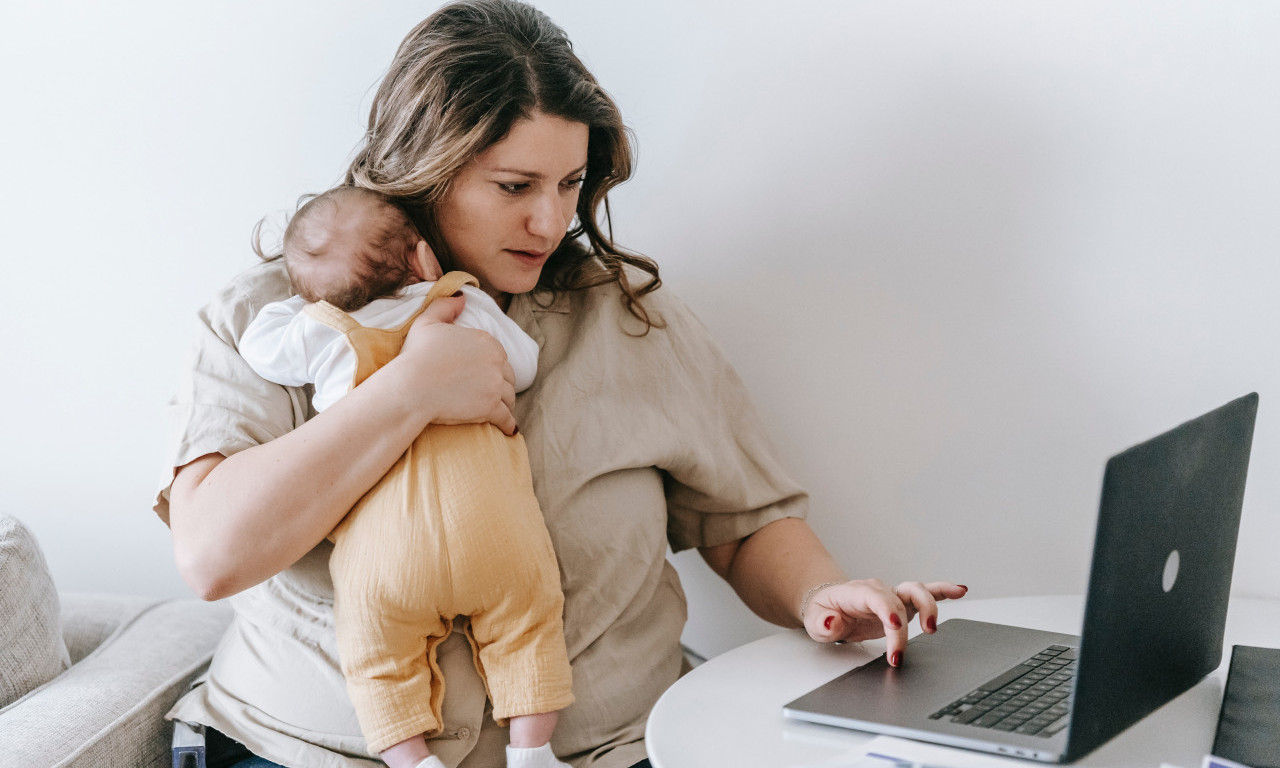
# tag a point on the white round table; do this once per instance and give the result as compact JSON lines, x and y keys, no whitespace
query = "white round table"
{"x":728,"y":711}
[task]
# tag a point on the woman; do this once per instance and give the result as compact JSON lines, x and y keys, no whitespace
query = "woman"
{"x":493,"y":133}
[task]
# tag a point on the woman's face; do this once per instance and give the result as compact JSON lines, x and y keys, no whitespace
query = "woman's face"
{"x":509,"y":208}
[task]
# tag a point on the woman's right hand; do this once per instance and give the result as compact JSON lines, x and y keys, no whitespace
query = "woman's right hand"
{"x":460,"y":375}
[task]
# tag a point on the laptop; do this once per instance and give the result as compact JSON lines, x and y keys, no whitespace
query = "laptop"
{"x":1153,"y":623}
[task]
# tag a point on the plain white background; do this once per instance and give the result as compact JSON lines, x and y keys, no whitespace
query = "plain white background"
{"x":960,"y":252}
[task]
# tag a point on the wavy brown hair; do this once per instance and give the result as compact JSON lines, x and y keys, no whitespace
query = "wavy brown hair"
{"x":457,"y":84}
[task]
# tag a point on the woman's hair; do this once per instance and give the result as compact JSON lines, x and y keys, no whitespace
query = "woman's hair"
{"x":458,"y":83}
{"x":351,"y":272}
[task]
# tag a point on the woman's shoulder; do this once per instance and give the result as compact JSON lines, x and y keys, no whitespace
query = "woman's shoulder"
{"x":235,"y":305}
{"x":262,"y":284}
{"x":660,"y":328}
{"x":607,"y":305}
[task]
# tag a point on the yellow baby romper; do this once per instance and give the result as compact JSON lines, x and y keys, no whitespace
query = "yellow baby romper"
{"x":453,"y":529}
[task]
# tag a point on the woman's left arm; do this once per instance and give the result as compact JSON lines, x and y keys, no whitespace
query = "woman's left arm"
{"x":786,"y":576}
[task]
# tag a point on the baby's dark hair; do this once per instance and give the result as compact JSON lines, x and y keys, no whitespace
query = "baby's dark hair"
{"x":381,"y":249}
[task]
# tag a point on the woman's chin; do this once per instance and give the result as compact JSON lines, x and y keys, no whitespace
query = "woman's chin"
{"x":509,"y":285}
{"x":519,"y":281}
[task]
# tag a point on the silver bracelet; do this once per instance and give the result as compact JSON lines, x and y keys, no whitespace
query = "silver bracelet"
{"x":804,"y":604}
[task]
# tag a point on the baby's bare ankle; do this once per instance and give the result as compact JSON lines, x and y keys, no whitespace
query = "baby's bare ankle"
{"x":410,"y":753}
{"x":530,"y":731}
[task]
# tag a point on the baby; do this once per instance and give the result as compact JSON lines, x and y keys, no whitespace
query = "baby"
{"x":453,"y":529}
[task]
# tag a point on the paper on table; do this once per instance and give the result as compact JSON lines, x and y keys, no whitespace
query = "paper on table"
{"x":916,"y":753}
{"x":854,"y":758}
{"x":890,"y":752}
{"x":1220,"y":762}
{"x":1210,"y":761}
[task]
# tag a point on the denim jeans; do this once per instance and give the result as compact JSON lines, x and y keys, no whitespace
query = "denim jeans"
{"x":222,"y":752}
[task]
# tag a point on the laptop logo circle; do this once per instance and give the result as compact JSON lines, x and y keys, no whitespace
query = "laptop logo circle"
{"x":1170,"y":571}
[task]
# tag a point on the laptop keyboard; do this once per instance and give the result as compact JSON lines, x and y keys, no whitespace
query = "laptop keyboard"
{"x":1032,"y":698}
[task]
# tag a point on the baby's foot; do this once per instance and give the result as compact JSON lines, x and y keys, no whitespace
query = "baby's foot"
{"x":431,"y":762}
{"x":533,"y":757}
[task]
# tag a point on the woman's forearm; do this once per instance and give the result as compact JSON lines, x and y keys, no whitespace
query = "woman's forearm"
{"x":238,"y":520}
{"x":773,"y":568}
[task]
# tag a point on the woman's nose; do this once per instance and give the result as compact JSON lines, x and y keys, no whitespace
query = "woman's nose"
{"x":547,"y":219}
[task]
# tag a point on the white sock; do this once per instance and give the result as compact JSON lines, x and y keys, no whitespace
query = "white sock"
{"x":533,"y":757}
{"x":431,"y":762}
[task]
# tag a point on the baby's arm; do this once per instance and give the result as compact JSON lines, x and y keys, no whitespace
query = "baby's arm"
{"x":522,"y":351}
{"x":275,"y":346}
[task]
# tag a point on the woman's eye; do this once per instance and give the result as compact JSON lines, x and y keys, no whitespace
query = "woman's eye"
{"x":513,"y":188}
{"x":574,"y":183}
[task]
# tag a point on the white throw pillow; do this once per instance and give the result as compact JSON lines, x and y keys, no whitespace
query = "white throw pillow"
{"x":31,"y":648}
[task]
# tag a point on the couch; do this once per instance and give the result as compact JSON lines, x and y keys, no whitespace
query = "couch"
{"x":85,"y":679}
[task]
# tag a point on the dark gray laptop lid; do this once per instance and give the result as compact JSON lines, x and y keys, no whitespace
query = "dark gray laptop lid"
{"x":1161,"y":575}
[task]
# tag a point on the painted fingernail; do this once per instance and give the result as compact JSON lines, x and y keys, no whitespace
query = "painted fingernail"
{"x":894,"y":621}
{"x":966,"y":589}
{"x":931,"y":623}
{"x":895,"y":660}
{"x":826,"y":623}
{"x":515,"y":431}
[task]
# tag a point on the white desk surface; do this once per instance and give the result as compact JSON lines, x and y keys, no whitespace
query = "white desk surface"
{"x":728,"y":711}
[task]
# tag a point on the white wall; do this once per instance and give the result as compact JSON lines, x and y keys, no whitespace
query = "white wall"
{"x":961,"y":252}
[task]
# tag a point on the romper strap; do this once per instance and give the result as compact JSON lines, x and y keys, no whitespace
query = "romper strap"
{"x":445,"y":286}
{"x":342,"y":322}
{"x":450,"y":284}
{"x":331,"y":316}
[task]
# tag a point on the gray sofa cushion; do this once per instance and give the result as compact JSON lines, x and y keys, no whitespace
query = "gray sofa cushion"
{"x":31,"y":648}
{"x":107,"y":711}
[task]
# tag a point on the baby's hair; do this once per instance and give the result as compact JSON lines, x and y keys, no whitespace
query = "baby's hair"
{"x":380,"y":264}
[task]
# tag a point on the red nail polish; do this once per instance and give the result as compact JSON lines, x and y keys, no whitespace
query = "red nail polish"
{"x":931,"y":623}
{"x":826,"y":623}
{"x":515,"y":431}
{"x":966,"y":589}
{"x":895,"y":660}
{"x":894,"y":621}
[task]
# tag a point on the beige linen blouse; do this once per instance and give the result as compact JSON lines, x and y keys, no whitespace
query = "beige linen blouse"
{"x":636,"y":443}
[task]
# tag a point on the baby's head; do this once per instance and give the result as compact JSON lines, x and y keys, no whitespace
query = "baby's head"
{"x":349,"y":246}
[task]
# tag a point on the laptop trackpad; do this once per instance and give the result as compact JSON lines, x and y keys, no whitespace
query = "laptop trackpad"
{"x":936,"y":669}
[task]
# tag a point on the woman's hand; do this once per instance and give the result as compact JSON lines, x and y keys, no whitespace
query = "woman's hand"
{"x":867,"y":609}
{"x":774,"y":567}
{"x":460,"y":374}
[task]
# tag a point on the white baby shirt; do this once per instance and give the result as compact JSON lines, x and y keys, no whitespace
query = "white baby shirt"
{"x":285,"y":345}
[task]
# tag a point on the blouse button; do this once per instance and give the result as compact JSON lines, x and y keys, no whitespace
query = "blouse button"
{"x":464,"y":733}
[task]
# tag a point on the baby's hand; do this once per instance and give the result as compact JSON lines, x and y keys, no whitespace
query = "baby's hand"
{"x":443,"y":310}
{"x":425,"y":263}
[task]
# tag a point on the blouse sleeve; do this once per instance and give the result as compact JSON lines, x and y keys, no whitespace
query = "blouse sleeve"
{"x":221,"y":405}
{"x":725,"y":479}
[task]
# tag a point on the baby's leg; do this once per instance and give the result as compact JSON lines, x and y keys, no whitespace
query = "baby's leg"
{"x":530,"y":741}
{"x":411,"y":753}
{"x":528,"y":675}
{"x":506,"y":579}
{"x":533,"y":730}
{"x":387,"y":636}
